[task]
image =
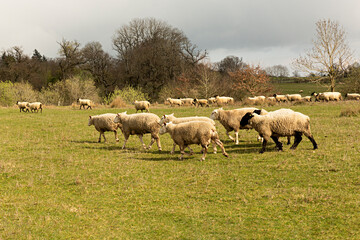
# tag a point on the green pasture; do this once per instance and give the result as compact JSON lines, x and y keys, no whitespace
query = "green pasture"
{"x":292,"y":88}
{"x":58,"y":182}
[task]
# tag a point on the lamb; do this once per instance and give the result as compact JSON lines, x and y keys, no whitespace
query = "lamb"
{"x":84,"y":102}
{"x":327,"y":96}
{"x":139,"y":124}
{"x":293,"y":97}
{"x":23,"y":106}
{"x":142,"y":105}
{"x":174,"y":101}
{"x":230,"y":119}
{"x":104,"y":123}
{"x":281,"y":124}
{"x":352,"y":96}
{"x":34,"y":106}
{"x":201,"y":102}
{"x":195,"y":132}
{"x":223,"y":100}
{"x":280,"y":98}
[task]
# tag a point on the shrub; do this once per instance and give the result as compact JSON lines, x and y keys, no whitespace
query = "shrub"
{"x":7,"y":97}
{"x":127,"y":94}
{"x":25,"y":92}
{"x":117,"y":103}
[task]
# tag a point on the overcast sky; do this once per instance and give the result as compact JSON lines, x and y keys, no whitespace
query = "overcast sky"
{"x":265,"y":32}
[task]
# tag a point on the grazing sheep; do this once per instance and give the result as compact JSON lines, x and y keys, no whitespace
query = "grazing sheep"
{"x":142,"y":105}
{"x":352,"y":96}
{"x":187,"y":101}
{"x":306,"y":99}
{"x":293,"y":97}
{"x":34,"y":106}
{"x":220,"y":101}
{"x":23,"y":106}
{"x":275,"y":125}
{"x":174,"y":101}
{"x":84,"y":102}
{"x":139,"y":124}
{"x":256,"y":100}
{"x":201,"y":102}
{"x":104,"y":123}
{"x":230,"y":119}
{"x":195,"y":132}
{"x":280,"y":98}
{"x":327,"y":96}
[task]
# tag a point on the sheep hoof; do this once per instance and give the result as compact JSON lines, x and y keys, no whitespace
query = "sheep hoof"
{"x":171,"y":152}
{"x":202,"y":159}
{"x":117,"y":140}
{"x":226,"y":155}
{"x":261,"y":151}
{"x":215,"y":152}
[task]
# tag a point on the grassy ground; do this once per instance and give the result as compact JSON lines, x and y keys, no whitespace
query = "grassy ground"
{"x":57,"y":182}
{"x":291,"y":88}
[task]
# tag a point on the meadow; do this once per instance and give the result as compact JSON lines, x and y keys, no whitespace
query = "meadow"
{"x":58,"y":182}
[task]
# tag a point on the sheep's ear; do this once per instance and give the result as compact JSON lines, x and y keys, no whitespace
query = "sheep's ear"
{"x":125,"y":112}
{"x":257,"y":111}
{"x":90,"y":117}
{"x":172,"y":114}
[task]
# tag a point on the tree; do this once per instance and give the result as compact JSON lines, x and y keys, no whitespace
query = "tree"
{"x":277,"y":71}
{"x":231,"y":64}
{"x":330,"y":55}
{"x":70,"y":57}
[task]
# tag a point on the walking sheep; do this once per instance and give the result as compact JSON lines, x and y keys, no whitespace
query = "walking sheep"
{"x":196,"y":132}
{"x":34,"y":106}
{"x":275,"y":125}
{"x":352,"y":96}
{"x":104,"y":123}
{"x":139,"y":124}
{"x":174,"y":101}
{"x":220,"y":101}
{"x":142,"y":105}
{"x":201,"y":102}
{"x":230,"y":119}
{"x":280,"y":98}
{"x":22,"y":106}
{"x":327,"y":96}
{"x":293,"y":97}
{"x":84,"y":102}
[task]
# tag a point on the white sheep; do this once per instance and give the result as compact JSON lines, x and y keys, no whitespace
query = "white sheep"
{"x":275,"y":125}
{"x":352,"y":96}
{"x":194,"y":132}
{"x":104,"y":123}
{"x":174,"y":101}
{"x":84,"y":102}
{"x":327,"y":96}
{"x":201,"y":102}
{"x":271,"y":99}
{"x":256,"y":100}
{"x":220,"y":101}
{"x":187,"y":101}
{"x":176,"y":120}
{"x":293,"y":97}
{"x":280,"y":98}
{"x":23,"y":106}
{"x":230,"y":119}
{"x":306,"y":99}
{"x":142,"y":105}
{"x":211,"y":100}
{"x":35,"y":106}
{"x":139,"y":124}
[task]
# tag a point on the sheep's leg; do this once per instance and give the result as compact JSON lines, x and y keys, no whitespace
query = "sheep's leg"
{"x":99,"y":140}
{"x":264,"y":145}
{"x":221,"y":145}
{"x":278,"y":144}
{"x":228,"y":134}
{"x":116,"y":136}
{"x":182,"y":152}
{"x":205,"y":148}
{"x":173,"y":149}
{"x":297,"y":140}
{"x":288,"y":140}
{"x":126,"y":137}
{"x":237,"y":137}
{"x":104,"y":136}
{"x":214,"y":146}
{"x":141,"y":140}
{"x":311,"y":138}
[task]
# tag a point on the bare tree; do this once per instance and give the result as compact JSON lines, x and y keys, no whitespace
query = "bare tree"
{"x":231,"y":64}
{"x":277,"y":71}
{"x":330,"y":55}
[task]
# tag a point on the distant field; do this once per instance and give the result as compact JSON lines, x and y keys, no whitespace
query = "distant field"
{"x":57,"y":182}
{"x":290,"y":88}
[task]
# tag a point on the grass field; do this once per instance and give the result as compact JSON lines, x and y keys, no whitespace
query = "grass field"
{"x":57,"y":182}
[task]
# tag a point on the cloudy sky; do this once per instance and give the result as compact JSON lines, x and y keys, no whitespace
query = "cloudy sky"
{"x":265,"y":32}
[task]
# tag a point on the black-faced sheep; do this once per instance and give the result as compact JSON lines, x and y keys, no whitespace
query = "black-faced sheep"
{"x":139,"y":124}
{"x":275,"y":125}
{"x":84,"y":102}
{"x":327,"y":96}
{"x":230,"y":119}
{"x":352,"y":96}
{"x":142,"y":105}
{"x":201,"y":102}
{"x":23,"y":106}
{"x":280,"y":98}
{"x":35,"y":106}
{"x":104,"y":123}
{"x":196,"y":132}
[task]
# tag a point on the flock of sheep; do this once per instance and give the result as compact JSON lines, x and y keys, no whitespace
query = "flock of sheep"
{"x":186,"y":131}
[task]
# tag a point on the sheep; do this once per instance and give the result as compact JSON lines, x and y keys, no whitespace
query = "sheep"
{"x":230,"y":119}
{"x":352,"y":96}
{"x":271,"y":99}
{"x":105,"y":123}
{"x":84,"y":102}
{"x":280,"y":98}
{"x":201,"y":102}
{"x":293,"y":97}
{"x":174,"y":101}
{"x":175,"y":120}
{"x":195,"y":132}
{"x":23,"y":106}
{"x":223,"y":100}
{"x":306,"y":99}
{"x":142,"y":105}
{"x":282,"y":124}
{"x":256,"y":100}
{"x":139,"y":124}
{"x":211,"y":100}
{"x":187,"y":101}
{"x":327,"y":96}
{"x":34,"y":106}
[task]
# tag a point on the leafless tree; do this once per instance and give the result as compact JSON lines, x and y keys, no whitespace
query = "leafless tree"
{"x":330,"y":55}
{"x":277,"y":71}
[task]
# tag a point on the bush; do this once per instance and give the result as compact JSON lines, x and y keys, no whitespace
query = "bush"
{"x":127,"y":94}
{"x":117,"y":103}
{"x":7,"y":97}
{"x":25,"y":92}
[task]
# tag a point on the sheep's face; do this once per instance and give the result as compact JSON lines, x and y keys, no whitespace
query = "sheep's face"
{"x":119,"y":117}
{"x":163,"y":129}
{"x":214,"y":115}
{"x":164,"y":119}
{"x":246,"y":119}
{"x":91,"y":121}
